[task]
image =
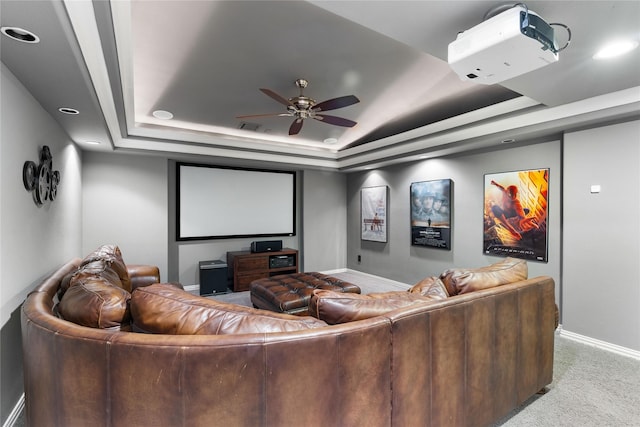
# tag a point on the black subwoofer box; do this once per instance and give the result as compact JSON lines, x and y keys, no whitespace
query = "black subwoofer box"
{"x":213,"y":277}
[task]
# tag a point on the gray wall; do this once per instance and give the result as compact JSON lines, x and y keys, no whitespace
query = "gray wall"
{"x":594,"y":239}
{"x":601,"y":280}
{"x":34,"y":241}
{"x":144,"y":228}
{"x":324,"y":221}
{"x":124,"y":202}
{"x":399,"y":260}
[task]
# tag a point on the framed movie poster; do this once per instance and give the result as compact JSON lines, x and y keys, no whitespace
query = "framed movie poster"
{"x":515,"y":214}
{"x":373,"y":213}
{"x":431,"y":213}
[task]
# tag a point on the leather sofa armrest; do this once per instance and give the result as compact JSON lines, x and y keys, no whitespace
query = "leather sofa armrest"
{"x":143,"y":275}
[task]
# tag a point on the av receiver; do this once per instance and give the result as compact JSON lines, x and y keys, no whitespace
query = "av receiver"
{"x":280,"y":261}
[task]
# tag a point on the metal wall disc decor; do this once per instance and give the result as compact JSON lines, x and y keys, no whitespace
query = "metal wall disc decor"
{"x":41,"y":179}
{"x":29,"y":171}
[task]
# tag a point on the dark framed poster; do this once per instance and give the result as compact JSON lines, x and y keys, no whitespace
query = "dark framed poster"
{"x":515,"y":214}
{"x":431,"y":213}
{"x":373,"y":213}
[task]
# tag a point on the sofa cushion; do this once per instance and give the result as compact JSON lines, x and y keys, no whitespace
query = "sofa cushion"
{"x":164,"y":309}
{"x":464,"y":280}
{"x":111,"y":257}
{"x":432,"y":287}
{"x":97,"y":268}
{"x":65,"y":283}
{"x":336,"y":307}
{"x":143,"y":275}
{"x":96,"y":303}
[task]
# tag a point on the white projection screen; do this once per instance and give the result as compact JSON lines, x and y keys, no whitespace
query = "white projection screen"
{"x":215,"y":202}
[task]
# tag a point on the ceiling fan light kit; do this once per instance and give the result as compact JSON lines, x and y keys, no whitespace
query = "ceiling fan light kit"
{"x":302,"y":107}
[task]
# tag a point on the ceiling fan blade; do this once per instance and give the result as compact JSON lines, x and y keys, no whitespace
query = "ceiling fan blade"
{"x":275,"y":96}
{"x":261,"y":115}
{"x":335,"y":103}
{"x":333,"y":120}
{"x":296,"y":126}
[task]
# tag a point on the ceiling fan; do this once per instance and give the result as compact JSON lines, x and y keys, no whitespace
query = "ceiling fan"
{"x":302,"y":107}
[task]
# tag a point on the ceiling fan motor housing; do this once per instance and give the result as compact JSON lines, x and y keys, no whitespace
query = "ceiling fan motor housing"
{"x":302,"y":103}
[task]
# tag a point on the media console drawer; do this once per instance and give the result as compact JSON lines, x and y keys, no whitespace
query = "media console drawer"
{"x":245,"y":266}
{"x":252,"y":263}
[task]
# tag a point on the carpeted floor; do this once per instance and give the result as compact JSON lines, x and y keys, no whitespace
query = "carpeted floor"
{"x":591,"y":387}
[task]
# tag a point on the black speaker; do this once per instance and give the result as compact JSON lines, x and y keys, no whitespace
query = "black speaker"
{"x":213,"y":277}
{"x":266,"y":246}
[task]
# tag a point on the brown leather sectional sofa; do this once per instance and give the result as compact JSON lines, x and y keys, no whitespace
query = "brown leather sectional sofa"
{"x":465,"y":360}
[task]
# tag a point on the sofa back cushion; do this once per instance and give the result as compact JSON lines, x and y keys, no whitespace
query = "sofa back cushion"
{"x":95,"y":302}
{"x":464,"y":280}
{"x":432,"y":287}
{"x":97,"y":293}
{"x":165,"y":309}
{"x":337,"y":307}
{"x":109,"y":257}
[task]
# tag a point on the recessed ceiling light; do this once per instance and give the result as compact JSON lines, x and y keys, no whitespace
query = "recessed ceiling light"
{"x":67,"y":110}
{"x":330,"y":141}
{"x":162,"y":115}
{"x":20,"y":34}
{"x":92,"y":142}
{"x":508,"y":141}
{"x":616,"y":48}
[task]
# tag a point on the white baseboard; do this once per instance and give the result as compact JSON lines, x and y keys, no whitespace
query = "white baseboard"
{"x":194,"y":289}
{"x":623,"y":351}
{"x":337,"y":270}
{"x":13,"y":416}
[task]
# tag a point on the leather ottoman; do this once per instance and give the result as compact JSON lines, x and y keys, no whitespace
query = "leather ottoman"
{"x":291,"y":293}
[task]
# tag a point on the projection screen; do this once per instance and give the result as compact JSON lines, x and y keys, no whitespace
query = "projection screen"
{"x":215,"y":202}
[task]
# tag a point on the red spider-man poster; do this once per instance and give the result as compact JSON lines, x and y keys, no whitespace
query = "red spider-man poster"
{"x":515,"y":214}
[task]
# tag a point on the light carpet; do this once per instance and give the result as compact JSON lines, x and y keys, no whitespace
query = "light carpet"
{"x":591,"y":387}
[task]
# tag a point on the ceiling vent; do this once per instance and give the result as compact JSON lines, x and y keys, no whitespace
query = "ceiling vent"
{"x":249,"y":126}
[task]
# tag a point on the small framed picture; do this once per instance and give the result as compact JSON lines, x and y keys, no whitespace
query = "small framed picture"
{"x":373,"y":213}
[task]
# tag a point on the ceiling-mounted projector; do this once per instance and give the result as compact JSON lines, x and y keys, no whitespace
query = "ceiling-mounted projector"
{"x":504,"y":46}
